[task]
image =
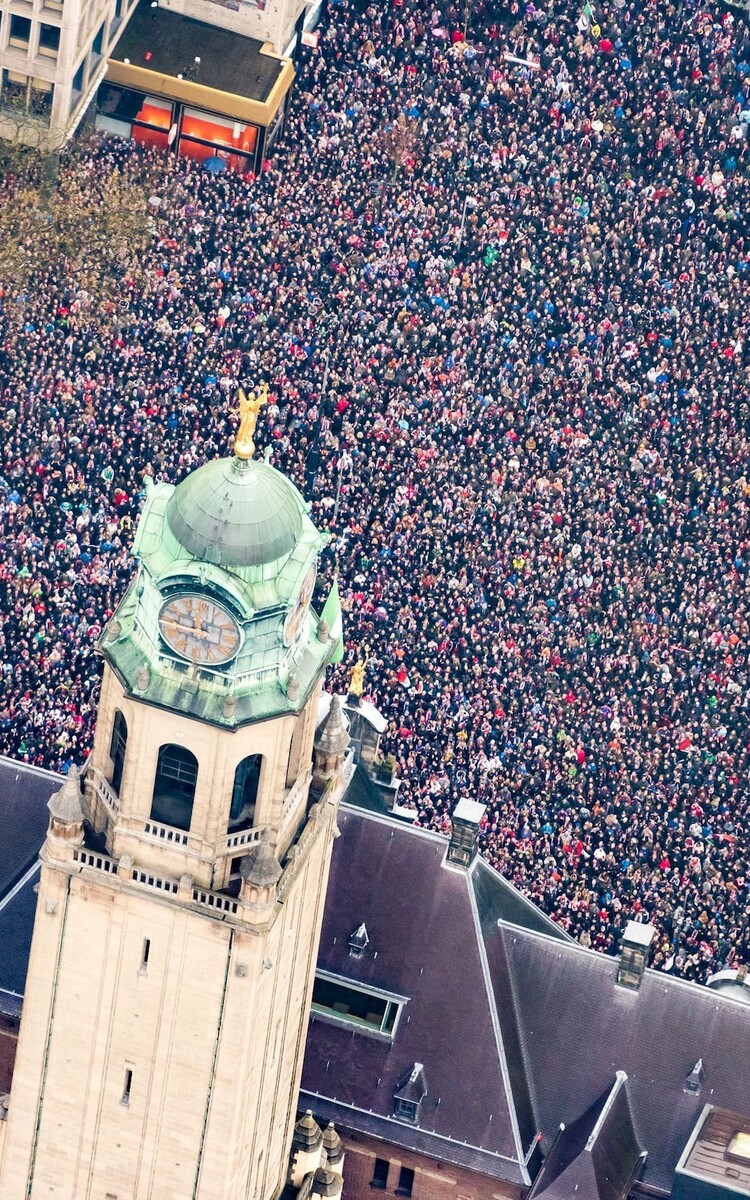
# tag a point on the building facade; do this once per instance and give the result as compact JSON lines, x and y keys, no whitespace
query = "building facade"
{"x":53,"y":55}
{"x":182,"y":887}
{"x":195,"y":90}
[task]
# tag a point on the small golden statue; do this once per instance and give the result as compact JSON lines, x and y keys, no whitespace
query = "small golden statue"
{"x":250,"y":406}
{"x":357,"y":681}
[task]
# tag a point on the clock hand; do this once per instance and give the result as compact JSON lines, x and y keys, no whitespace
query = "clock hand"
{"x":198,"y":633}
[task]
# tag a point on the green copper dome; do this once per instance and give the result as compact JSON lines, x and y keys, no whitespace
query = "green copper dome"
{"x":236,"y":513}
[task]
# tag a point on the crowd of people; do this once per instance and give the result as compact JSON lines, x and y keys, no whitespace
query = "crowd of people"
{"x":497,"y":277}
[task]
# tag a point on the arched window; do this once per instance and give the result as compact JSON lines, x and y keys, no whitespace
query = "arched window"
{"x":245,"y":792}
{"x":174,"y":787}
{"x":117,"y":748}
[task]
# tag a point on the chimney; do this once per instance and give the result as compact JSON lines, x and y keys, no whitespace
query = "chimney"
{"x":636,"y":944}
{"x":467,"y":819}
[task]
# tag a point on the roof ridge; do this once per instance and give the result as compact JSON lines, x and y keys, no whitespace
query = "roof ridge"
{"x":32,"y":768}
{"x":517,"y":1007}
{"x":497,"y":1031}
{"x":637,"y":1131}
{"x":652,"y":977}
{"x":386,"y":819}
{"x":555,"y":930}
{"x":620,"y":1079}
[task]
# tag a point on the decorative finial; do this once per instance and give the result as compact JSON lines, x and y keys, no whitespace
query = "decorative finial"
{"x":65,"y":805}
{"x":250,"y":406}
{"x":357,"y":681}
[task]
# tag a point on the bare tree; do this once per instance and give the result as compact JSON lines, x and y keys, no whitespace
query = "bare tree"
{"x":402,"y":142}
{"x":58,"y":214}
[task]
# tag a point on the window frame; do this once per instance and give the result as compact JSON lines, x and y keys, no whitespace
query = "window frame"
{"x":180,"y":769}
{"x":394,"y":1006}
{"x":44,"y":50}
{"x":381,"y":1184}
{"x":14,"y":40}
{"x":406,"y":1177}
{"x":118,"y":744}
{"x":405,"y":1110}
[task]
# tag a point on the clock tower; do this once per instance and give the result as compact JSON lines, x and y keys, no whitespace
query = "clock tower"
{"x":183,"y":878}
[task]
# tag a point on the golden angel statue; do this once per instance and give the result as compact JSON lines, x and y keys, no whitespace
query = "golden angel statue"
{"x":250,"y":406}
{"x":357,"y":681}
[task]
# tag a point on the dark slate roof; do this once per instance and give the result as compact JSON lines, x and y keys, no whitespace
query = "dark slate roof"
{"x":24,"y":792}
{"x":498,"y":900}
{"x":425,"y":943}
{"x":483,"y":968}
{"x":413,"y":1086}
{"x":576,"y":1028}
{"x":598,"y":1155}
{"x":17,"y":911}
{"x":361,"y":793}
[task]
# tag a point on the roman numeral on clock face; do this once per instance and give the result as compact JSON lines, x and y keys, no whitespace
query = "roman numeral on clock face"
{"x":199,"y":629}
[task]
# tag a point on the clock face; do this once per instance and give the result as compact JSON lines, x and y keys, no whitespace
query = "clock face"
{"x":199,"y":629}
{"x":296,"y":615}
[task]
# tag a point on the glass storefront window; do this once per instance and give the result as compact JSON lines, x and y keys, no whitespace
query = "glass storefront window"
{"x":153,"y":121}
{"x":220,"y":132}
{"x":148,"y":119}
{"x":207,"y":135}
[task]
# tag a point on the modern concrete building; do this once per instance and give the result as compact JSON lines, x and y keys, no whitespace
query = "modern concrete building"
{"x":271,"y":21}
{"x":53,"y":55}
